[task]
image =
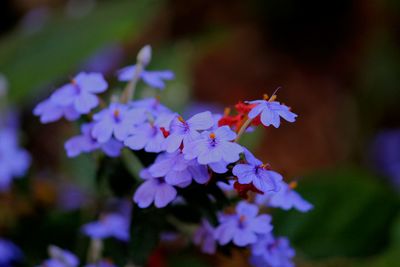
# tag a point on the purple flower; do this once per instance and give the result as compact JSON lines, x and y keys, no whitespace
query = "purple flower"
{"x":177,"y":170}
{"x":60,"y":258}
{"x":147,"y":136}
{"x":116,"y":120}
{"x":214,"y":146}
{"x":151,"y":105}
{"x":110,"y":225}
{"x":153,"y":190}
{"x":286,"y":198}
{"x":14,"y":161}
{"x":385,"y":155}
{"x":187,"y":131}
{"x":48,"y":112}
{"x":273,"y":252}
{"x":271,"y":112}
{"x":204,"y":237}
{"x":242,"y":228}
{"x":85,"y":143}
{"x":81,"y":92}
{"x":71,"y":197}
{"x":9,"y":253}
{"x":106,"y":59}
{"x":154,"y":79}
{"x":254,"y":171}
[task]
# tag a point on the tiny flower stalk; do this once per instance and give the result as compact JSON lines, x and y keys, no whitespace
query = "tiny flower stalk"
{"x":242,"y":129}
{"x":95,"y":250}
{"x":143,"y":58}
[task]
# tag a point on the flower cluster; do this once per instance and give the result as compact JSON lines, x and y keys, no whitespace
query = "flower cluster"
{"x":195,"y":152}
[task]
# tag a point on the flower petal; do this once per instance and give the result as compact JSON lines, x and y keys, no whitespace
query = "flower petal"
{"x":165,"y":194}
{"x":201,"y":121}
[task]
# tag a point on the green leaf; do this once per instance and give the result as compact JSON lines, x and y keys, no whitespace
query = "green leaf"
{"x":30,"y":62}
{"x":352,"y":216}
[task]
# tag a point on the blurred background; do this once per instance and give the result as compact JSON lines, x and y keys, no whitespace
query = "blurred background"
{"x":338,"y":63}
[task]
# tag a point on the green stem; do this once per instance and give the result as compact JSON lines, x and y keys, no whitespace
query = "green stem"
{"x":95,"y":250}
{"x":243,"y":129}
{"x":129,"y":90}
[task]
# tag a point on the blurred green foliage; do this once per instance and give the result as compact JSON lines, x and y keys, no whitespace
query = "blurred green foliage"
{"x":353,"y":216}
{"x":32,"y":61}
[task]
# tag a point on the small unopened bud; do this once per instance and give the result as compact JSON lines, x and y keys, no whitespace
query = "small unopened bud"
{"x":144,"y":55}
{"x":3,"y":85}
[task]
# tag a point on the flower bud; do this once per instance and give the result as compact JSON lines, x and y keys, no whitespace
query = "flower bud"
{"x":144,"y":55}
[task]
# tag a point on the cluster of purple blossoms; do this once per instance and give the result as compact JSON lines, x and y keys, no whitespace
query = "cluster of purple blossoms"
{"x":191,"y":151}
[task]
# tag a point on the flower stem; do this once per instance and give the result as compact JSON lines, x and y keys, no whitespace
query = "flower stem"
{"x":243,"y":128}
{"x":129,"y":90}
{"x":95,"y":250}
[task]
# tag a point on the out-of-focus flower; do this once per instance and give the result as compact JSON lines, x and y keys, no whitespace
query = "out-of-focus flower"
{"x":110,"y":225}
{"x":255,"y":172}
{"x":51,"y":112}
{"x":14,"y":161}
{"x":153,"y":79}
{"x":154,"y":190}
{"x":186,"y":131}
{"x":60,"y":258}
{"x":286,"y":198}
{"x":271,"y":111}
{"x":73,"y":99}
{"x":214,"y":146}
{"x":35,"y":20}
{"x":205,"y":238}
{"x":177,"y":170}
{"x":104,"y":60}
{"x":117,"y":120}
{"x":85,"y":143}
{"x":81,"y":92}
{"x":385,"y":154}
{"x":9,"y":253}
{"x":71,"y":196}
{"x":272,"y":252}
{"x":243,"y":227}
